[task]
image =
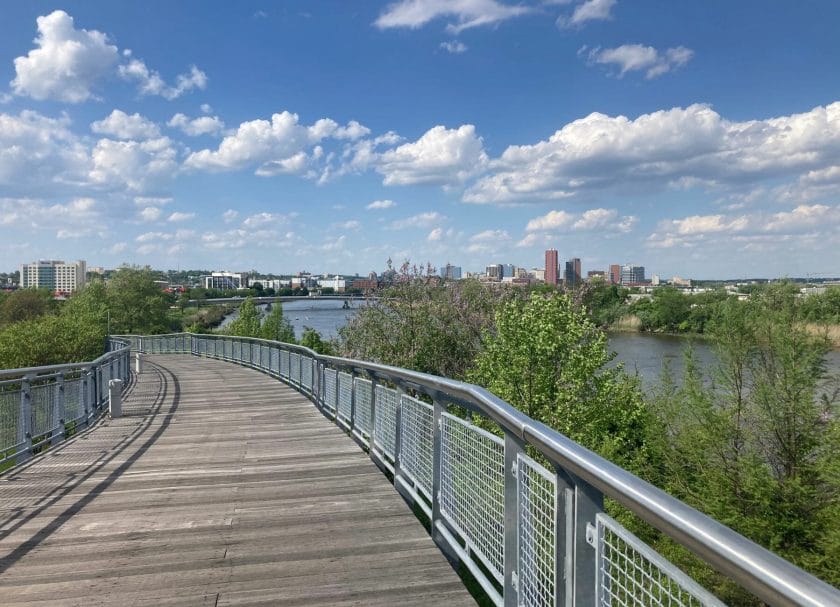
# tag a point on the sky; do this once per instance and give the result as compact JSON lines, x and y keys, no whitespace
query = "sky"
{"x":699,"y":139}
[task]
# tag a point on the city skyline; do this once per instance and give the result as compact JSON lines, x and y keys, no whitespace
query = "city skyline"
{"x":704,"y":142}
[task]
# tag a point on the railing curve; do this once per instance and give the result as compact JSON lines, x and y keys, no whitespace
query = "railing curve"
{"x":530,"y":534}
{"x":41,"y":406}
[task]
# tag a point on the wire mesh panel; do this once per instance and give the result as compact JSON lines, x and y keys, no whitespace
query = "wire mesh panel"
{"x":385,"y":436}
{"x":330,"y":388}
{"x":364,"y":392}
{"x":42,"y":398}
{"x":472,"y":489}
{"x":265,"y":357}
{"x":275,"y":361}
{"x":284,"y":364}
{"x":104,"y":378}
{"x":73,"y":402}
{"x":306,"y":372}
{"x":294,"y":366}
{"x":630,"y":573}
{"x":417,"y":436}
{"x":345,"y":396}
{"x":237,"y":350}
{"x":536,"y":493}
{"x":9,"y":415}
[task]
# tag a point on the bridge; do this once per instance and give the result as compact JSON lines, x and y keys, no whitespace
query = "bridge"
{"x":243,"y":471}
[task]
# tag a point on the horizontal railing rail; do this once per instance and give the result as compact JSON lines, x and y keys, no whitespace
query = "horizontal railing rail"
{"x":41,"y":406}
{"x":530,"y":534}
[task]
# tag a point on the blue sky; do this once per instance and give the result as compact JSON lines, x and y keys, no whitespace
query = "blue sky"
{"x":697,"y":139}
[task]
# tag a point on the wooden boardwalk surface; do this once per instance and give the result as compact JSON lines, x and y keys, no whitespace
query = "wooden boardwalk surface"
{"x":220,"y":486}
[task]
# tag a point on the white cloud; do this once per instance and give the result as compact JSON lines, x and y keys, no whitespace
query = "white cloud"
{"x":230,"y":215}
{"x":595,"y":218}
{"x":804,"y":217}
{"x":435,"y":235}
{"x":264,"y":218}
{"x":133,"y":164}
{"x":601,"y":220}
{"x":692,"y":145}
{"x":637,"y":57}
{"x":552,"y":220}
{"x":123,"y":126}
{"x":203,"y":125}
{"x":33,"y":214}
{"x":179,"y":216}
{"x":456,"y":47}
{"x":150,"y":82}
{"x":351,"y":224}
{"x":706,"y":224}
{"x":273,"y":146}
{"x":206,"y":108}
{"x":66,"y":63}
{"x":590,"y":10}
{"x":150,"y":214}
{"x":421,"y":220}
{"x":118,"y":247}
{"x":490,"y":236}
{"x":381,"y":204}
{"x":158,"y":201}
{"x":441,"y":156}
{"x":467,"y":13}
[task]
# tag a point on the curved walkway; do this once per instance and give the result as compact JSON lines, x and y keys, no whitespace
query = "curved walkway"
{"x":219,"y":486}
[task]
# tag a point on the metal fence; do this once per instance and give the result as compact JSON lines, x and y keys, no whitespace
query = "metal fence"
{"x":40,"y":406}
{"x":530,"y":534}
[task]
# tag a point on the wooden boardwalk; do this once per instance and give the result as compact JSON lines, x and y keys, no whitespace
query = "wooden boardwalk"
{"x":220,"y":486}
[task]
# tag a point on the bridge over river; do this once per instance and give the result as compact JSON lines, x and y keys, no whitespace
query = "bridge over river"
{"x":240,"y":471}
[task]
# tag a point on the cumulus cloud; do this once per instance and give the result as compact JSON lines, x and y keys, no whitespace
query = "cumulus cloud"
{"x":637,"y":57}
{"x":351,"y":224}
{"x":552,"y":220}
{"x":441,"y":156}
{"x":264,"y":218}
{"x":133,"y":164}
{"x":590,"y":10}
{"x":123,"y":126}
{"x":150,"y":214}
{"x":66,"y":63}
{"x":203,"y":125}
{"x":490,"y":236}
{"x":230,"y":215}
{"x":381,"y":204}
{"x":606,"y":220}
{"x":435,"y":235}
{"x":421,"y":220}
{"x":150,"y":82}
{"x":275,"y":146}
{"x":466,"y":13}
{"x":179,"y":216}
{"x":692,"y":145}
{"x":804,"y":217}
{"x":32,"y":214}
{"x":455,"y":47}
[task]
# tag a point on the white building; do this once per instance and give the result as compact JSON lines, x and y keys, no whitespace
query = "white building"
{"x":226,"y":281}
{"x":336,"y":283}
{"x":55,"y":275}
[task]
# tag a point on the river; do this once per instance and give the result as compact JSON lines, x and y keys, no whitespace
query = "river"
{"x":641,"y":353}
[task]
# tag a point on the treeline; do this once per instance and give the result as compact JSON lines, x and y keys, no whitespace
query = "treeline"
{"x":755,"y":444}
{"x":250,"y":323}
{"x":670,"y":310}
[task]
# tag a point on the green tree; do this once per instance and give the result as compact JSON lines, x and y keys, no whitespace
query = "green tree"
{"x":135,"y":303}
{"x":547,"y":358}
{"x":25,"y":304}
{"x":247,"y":323}
{"x":313,"y":340}
{"x":277,"y":327}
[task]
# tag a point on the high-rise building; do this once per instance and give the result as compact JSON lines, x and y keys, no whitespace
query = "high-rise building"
{"x":226,"y":281}
{"x":551,"y":266}
{"x":55,"y":275}
{"x":494,"y":271}
{"x":615,"y":274}
{"x":508,"y":270}
{"x":450,"y":272}
{"x":572,"y":272}
{"x":631,"y":274}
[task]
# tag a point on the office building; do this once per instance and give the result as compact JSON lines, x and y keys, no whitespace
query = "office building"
{"x":494,"y":271}
{"x":631,"y":274}
{"x":55,"y":275}
{"x":508,"y":270}
{"x":226,"y":281}
{"x":551,"y":266}
{"x":572,"y":273}
{"x":451,"y":272}
{"x":615,"y":274}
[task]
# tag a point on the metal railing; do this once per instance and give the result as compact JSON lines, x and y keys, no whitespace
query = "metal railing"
{"x":530,"y":534}
{"x":40,"y":406}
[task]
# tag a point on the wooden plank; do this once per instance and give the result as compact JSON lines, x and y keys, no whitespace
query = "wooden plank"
{"x":220,"y":486}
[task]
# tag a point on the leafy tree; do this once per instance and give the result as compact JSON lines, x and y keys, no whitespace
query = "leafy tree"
{"x":135,"y":303}
{"x":277,"y":327}
{"x":313,"y":340}
{"x":547,"y":358}
{"x":25,"y":304}
{"x":247,"y":323}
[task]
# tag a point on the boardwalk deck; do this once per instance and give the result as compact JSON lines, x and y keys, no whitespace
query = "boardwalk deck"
{"x":220,"y":486}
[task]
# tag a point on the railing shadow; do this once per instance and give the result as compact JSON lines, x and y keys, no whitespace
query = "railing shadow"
{"x":79,"y":460}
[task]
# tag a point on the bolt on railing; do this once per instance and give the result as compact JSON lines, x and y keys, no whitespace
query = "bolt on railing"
{"x":529,"y":534}
{"x":41,"y":406}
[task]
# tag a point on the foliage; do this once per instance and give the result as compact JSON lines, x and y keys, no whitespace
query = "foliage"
{"x":673,"y":311}
{"x":605,"y":302}
{"x":25,"y":304}
{"x":313,"y":340}
{"x":277,"y":327}
{"x":135,"y":303}
{"x":422,"y":325}
{"x":546,"y":358}
{"x":823,"y":307}
{"x":247,"y":323}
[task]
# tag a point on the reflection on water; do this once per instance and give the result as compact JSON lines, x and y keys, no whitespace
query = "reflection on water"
{"x":326,"y":316}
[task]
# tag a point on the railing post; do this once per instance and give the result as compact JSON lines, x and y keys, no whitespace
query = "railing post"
{"x":58,"y":413}
{"x":24,"y":430}
{"x":84,"y":396}
{"x":398,"y":435}
{"x":513,"y":447}
{"x":588,"y":502}
{"x":437,"y":463}
{"x":564,"y":521}
{"x":372,"y":413}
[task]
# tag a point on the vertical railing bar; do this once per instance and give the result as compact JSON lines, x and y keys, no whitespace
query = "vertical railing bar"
{"x":513,"y":448}
{"x":58,"y":412}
